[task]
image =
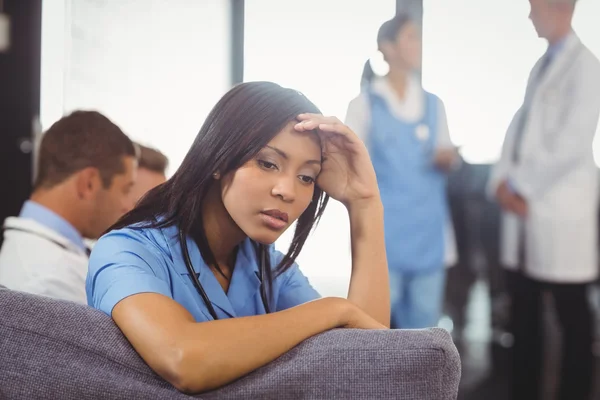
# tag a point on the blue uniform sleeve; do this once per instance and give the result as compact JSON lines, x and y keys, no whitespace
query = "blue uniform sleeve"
{"x":294,"y":287}
{"x":124,"y":263}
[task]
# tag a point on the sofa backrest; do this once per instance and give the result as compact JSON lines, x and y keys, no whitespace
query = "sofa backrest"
{"x":53,"y":349}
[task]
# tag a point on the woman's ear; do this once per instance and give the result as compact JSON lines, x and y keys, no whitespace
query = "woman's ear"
{"x":216,"y":175}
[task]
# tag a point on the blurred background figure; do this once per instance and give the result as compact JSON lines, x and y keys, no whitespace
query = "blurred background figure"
{"x":547,"y":185}
{"x":406,"y":132}
{"x":86,"y":169}
{"x":152,"y":171}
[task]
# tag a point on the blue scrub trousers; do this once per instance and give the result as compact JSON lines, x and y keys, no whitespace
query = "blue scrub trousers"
{"x":416,"y":298}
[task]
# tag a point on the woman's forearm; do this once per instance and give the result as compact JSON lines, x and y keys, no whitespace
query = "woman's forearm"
{"x":369,"y":284}
{"x":238,"y":346}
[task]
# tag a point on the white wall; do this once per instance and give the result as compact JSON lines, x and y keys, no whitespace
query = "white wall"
{"x":155,"y":67}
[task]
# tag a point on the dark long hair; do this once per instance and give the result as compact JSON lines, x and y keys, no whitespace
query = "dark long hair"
{"x":388,"y":32}
{"x":242,"y":123}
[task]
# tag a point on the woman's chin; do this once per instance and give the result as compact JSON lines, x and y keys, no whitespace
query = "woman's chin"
{"x":264,"y":237}
{"x":263,"y":240}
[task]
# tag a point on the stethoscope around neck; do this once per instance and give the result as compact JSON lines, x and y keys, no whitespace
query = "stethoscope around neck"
{"x":200,"y":289}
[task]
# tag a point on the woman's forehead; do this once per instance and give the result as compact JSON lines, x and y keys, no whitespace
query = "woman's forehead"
{"x":291,"y":141}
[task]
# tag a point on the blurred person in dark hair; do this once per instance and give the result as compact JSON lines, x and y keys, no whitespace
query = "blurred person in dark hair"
{"x":406,"y":131}
{"x":152,"y":171}
{"x":86,"y":169}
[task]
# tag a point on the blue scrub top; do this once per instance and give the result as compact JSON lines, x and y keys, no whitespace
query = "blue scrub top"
{"x":136,"y":260}
{"x":413,"y":190}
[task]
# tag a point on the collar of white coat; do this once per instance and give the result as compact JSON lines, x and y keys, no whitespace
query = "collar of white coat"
{"x":26,"y":226}
{"x":566,"y":55}
{"x":564,"y":44}
{"x":411,"y":106}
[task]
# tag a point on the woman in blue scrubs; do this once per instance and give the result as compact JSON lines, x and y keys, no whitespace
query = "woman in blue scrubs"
{"x":191,"y":275}
{"x":406,"y":132}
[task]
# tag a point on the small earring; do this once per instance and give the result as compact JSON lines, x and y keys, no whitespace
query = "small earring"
{"x":216,"y":175}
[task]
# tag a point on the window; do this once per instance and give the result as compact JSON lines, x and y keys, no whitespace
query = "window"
{"x":318,"y":48}
{"x":156,"y":68}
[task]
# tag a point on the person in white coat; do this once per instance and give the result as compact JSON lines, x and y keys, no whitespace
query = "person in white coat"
{"x":86,"y":168}
{"x":546,"y":182}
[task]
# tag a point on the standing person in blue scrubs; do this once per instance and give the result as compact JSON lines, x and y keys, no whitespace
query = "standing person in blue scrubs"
{"x":406,"y":133}
{"x":191,"y":275}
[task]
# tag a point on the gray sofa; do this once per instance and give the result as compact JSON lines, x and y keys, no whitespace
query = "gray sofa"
{"x":52,"y":349}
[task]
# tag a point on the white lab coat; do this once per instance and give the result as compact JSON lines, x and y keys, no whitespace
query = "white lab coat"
{"x":556,"y":174}
{"x":410,"y":109}
{"x":38,"y":260}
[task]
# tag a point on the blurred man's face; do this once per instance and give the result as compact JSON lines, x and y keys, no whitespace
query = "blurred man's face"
{"x":543,"y":16}
{"x":107,"y":205}
{"x":146,"y":180}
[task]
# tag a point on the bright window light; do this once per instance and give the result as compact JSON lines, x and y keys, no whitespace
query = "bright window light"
{"x":156,"y":68}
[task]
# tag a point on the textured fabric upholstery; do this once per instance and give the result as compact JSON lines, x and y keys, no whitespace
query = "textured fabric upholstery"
{"x":52,"y":349}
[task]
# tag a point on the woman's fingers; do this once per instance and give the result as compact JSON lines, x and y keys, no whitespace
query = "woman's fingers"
{"x":334,"y":128}
{"x":308,"y":125}
{"x":309,"y":122}
{"x":307,"y":116}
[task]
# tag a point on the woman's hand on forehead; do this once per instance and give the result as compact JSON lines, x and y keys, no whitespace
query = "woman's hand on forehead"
{"x":347,"y":175}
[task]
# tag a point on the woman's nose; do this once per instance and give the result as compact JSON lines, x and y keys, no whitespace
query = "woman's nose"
{"x":285,"y":189}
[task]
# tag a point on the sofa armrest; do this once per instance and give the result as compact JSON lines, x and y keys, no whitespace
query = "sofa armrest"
{"x":361,"y":364}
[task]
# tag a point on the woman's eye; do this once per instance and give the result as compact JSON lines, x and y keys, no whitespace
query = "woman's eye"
{"x":307,"y":179}
{"x":267,"y":164}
